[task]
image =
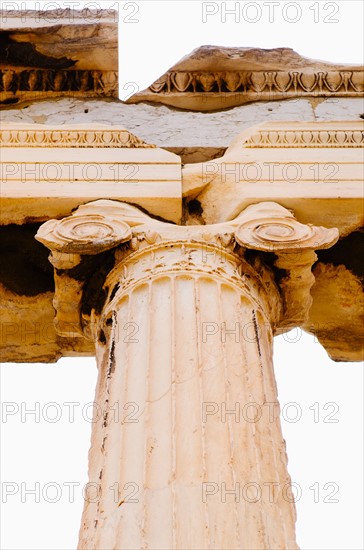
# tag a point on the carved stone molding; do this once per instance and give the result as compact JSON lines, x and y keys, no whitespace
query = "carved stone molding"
{"x":213,"y":78}
{"x":88,"y":234}
{"x":312,"y":168}
{"x":28,"y":136}
{"x":342,"y":137}
{"x":164,"y":285}
{"x":272,"y":228}
{"x":34,"y":67}
{"x":47,"y":171}
{"x":263,"y":83}
{"x":152,"y":249}
{"x":42,"y":83}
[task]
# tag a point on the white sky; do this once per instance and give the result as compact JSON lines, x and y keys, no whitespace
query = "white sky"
{"x":320,"y":452}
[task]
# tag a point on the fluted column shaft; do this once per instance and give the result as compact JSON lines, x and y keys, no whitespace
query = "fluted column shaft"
{"x":188,"y":454}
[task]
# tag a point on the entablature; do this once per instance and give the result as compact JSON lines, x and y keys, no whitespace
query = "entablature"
{"x":47,"y":171}
{"x":315,"y":169}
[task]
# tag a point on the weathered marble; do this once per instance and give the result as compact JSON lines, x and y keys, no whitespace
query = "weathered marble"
{"x":171,"y":285}
{"x":46,"y":171}
{"x":176,"y":270}
{"x":310,"y":146}
{"x":336,"y":316}
{"x":196,"y":137}
{"x":315,"y":169}
{"x":27,"y":324}
{"x":58,"y":53}
{"x":212,"y":78}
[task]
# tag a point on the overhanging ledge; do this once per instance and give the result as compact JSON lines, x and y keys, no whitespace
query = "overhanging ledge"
{"x":313,"y":168}
{"x":47,"y":171}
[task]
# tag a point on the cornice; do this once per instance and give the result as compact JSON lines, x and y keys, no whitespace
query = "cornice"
{"x":292,"y":83}
{"x":214,"y":78}
{"x":215,"y":82}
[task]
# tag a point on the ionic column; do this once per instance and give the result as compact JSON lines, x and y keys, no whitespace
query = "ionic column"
{"x":189,"y":452}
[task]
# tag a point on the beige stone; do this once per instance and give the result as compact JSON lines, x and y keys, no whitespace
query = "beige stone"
{"x":58,"y":53}
{"x":171,"y":285}
{"x":27,"y":330}
{"x":337,"y":313}
{"x":180,"y":293}
{"x":47,"y":171}
{"x":308,"y":146}
{"x":196,"y":137}
{"x":214,"y":78}
{"x":314,"y":169}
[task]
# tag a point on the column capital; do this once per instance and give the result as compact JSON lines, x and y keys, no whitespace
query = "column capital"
{"x":105,"y":224}
{"x":125,"y":236}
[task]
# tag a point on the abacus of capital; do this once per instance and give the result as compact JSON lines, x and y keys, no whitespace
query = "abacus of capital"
{"x":175,"y":267}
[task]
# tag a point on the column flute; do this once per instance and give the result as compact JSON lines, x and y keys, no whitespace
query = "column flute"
{"x":188,"y":452}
